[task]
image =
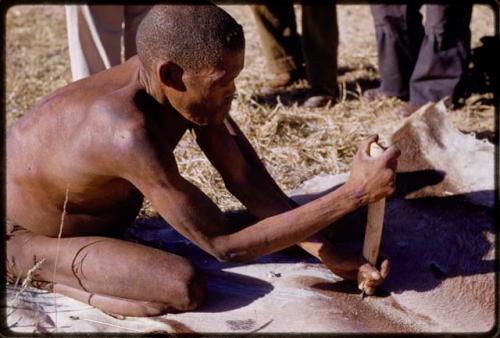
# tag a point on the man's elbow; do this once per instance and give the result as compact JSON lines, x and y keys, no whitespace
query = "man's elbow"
{"x":225,"y":254}
{"x":235,"y":258}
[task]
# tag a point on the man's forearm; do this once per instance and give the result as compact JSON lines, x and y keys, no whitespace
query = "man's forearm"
{"x":258,"y":192}
{"x":275,"y":202}
{"x":285,"y":229}
{"x":267,"y":199}
{"x":316,"y":245}
{"x":248,"y":180}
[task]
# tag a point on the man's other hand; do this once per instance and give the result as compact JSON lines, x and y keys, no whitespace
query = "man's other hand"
{"x":369,"y":277}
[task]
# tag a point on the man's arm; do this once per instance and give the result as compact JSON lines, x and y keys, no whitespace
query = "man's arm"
{"x":243,"y":172}
{"x":152,"y":169}
{"x":246,"y":178}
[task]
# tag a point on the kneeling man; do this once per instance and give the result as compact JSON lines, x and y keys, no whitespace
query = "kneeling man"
{"x":97,"y":147}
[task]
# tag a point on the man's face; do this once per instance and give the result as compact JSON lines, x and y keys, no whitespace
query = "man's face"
{"x":209,"y":91}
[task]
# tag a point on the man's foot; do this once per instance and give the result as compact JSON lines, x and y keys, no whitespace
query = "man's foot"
{"x":406,"y":110}
{"x":377,"y":94}
{"x":318,"y":99}
{"x":281,"y":81}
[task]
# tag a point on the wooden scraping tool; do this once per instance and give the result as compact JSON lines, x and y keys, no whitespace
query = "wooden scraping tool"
{"x":374,"y":223}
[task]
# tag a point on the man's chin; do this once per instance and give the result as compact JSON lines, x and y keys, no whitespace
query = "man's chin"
{"x":199,"y":123}
{"x":197,"y":120}
{"x":209,"y":123}
{"x":214,"y":119}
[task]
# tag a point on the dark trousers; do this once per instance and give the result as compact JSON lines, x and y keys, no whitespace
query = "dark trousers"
{"x":422,"y":63}
{"x":284,"y":49}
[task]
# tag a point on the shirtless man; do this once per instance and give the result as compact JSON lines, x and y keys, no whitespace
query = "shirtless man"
{"x":107,"y":141}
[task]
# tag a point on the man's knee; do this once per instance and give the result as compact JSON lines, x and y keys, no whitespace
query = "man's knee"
{"x":17,"y":254}
{"x":193,"y":290}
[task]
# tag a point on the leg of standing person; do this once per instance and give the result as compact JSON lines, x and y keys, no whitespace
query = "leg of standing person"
{"x":281,"y":44}
{"x":133,"y":16}
{"x":444,"y":53}
{"x":399,"y":33}
{"x":320,"y":43}
{"x":94,"y":38}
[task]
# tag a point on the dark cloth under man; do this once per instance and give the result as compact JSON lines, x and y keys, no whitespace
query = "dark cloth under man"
{"x":422,"y":63}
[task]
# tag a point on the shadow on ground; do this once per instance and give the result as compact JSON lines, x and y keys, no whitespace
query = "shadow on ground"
{"x":291,"y":96}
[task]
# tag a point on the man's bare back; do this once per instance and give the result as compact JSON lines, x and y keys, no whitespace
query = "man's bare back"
{"x":108,"y":140}
{"x":66,"y":142}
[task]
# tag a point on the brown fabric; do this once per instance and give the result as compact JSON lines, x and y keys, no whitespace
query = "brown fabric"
{"x":282,"y":44}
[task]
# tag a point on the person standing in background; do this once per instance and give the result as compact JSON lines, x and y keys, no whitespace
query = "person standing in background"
{"x":95,"y":35}
{"x":421,"y":63}
{"x":286,"y":53}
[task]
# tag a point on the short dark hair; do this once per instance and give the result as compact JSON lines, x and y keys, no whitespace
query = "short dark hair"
{"x":193,"y":36}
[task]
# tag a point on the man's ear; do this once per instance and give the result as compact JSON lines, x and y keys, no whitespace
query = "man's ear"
{"x":170,"y":75}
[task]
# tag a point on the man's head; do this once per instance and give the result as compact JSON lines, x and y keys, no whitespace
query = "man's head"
{"x":193,"y":52}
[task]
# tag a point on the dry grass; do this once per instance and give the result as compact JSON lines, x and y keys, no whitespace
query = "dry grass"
{"x":56,"y":260}
{"x":295,"y":143}
{"x":17,"y":301}
{"x":29,"y":277}
{"x":36,"y":56}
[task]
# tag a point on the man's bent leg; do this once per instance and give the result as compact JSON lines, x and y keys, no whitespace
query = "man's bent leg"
{"x":114,"y":275}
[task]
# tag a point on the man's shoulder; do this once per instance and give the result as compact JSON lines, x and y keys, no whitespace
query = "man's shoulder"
{"x":119,"y":104}
{"x":118,"y":113}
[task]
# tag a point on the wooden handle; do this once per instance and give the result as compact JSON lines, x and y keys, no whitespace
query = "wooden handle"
{"x":375,"y":220}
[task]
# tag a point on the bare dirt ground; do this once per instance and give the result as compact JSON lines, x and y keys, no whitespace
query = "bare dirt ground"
{"x":295,"y":143}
